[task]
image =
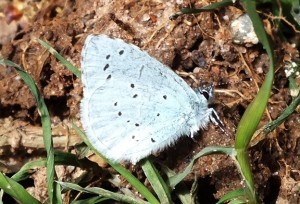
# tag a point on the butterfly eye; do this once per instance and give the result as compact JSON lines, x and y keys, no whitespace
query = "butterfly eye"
{"x":207,"y":92}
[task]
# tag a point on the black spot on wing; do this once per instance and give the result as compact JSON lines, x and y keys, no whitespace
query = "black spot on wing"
{"x":105,"y":67}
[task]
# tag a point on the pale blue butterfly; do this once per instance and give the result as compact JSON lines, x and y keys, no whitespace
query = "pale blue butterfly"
{"x":132,"y":104}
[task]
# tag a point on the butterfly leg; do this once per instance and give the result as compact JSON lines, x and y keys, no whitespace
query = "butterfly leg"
{"x":215,"y":119}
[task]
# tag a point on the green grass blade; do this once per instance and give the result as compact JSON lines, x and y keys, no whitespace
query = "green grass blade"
{"x":232,"y":195}
{"x":28,"y":169}
{"x":16,"y":191}
{"x":91,"y":200}
{"x":60,"y":158}
{"x":105,"y":193}
{"x":173,"y":181}
{"x":238,"y":201}
{"x":255,"y":110}
{"x":124,"y":172}
{"x":65,"y":62}
{"x":158,"y":184}
{"x":286,"y":113}
{"x":45,"y":119}
{"x":181,"y":190}
{"x":210,"y":7}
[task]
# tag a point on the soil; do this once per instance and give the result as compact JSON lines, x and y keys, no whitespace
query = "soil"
{"x":198,"y":47}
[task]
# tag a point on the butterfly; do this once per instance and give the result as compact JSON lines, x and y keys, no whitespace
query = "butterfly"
{"x":133,"y":105}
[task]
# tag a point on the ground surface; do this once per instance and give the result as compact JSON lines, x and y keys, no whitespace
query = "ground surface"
{"x":196,"y":47}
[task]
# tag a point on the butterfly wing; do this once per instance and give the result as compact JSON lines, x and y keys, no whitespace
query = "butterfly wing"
{"x":133,"y":105}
